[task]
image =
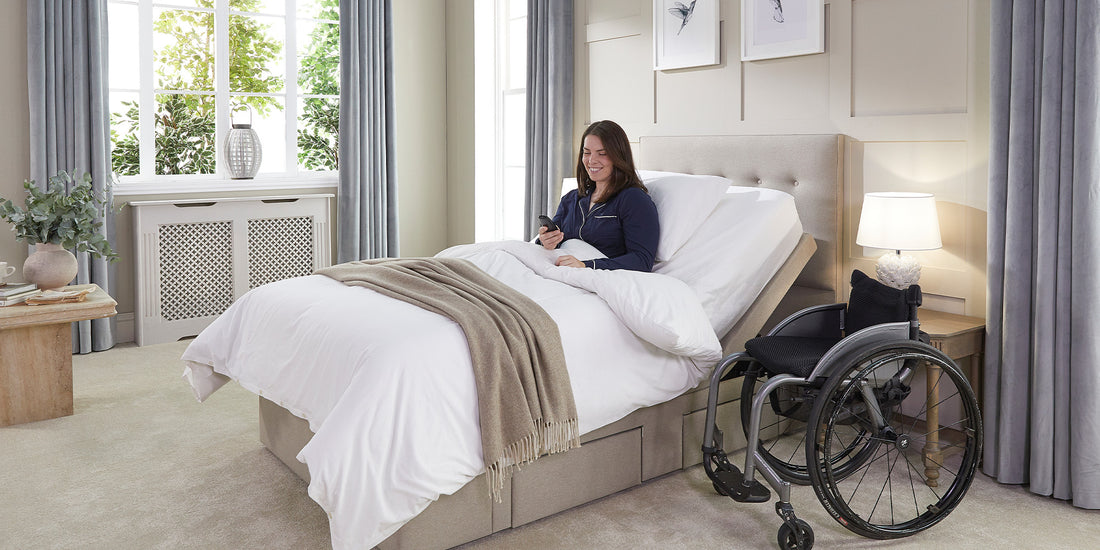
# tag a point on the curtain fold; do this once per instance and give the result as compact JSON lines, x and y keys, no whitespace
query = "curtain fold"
{"x":1042,"y":371}
{"x":69,"y":123}
{"x":366,"y":205}
{"x":549,"y":106}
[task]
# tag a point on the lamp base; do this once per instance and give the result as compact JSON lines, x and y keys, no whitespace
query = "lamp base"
{"x":897,"y":270}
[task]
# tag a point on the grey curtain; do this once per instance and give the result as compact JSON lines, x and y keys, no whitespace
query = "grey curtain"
{"x":549,"y":106}
{"x":1042,"y":371}
{"x":366,"y":211}
{"x":69,"y":122}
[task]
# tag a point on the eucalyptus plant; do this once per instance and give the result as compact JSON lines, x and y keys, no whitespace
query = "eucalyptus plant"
{"x":67,"y":212}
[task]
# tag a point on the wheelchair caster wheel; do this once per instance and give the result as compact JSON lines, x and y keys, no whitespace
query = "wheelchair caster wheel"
{"x":789,"y":541}
{"x":718,"y":489}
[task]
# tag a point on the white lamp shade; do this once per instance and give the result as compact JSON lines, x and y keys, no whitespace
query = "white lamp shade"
{"x":899,"y":221}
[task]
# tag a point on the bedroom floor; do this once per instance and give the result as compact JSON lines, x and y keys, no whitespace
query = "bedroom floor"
{"x":143,"y":465}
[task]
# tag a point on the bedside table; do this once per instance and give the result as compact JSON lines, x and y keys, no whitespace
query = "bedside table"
{"x":36,"y":357}
{"x":962,"y":339}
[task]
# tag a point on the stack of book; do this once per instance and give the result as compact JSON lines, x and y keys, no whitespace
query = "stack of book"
{"x":16,"y":293}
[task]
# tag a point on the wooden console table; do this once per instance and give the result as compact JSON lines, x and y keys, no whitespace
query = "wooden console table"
{"x":959,"y":337}
{"x":36,"y":362}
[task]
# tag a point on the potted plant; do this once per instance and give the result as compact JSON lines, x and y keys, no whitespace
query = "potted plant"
{"x":56,"y":220}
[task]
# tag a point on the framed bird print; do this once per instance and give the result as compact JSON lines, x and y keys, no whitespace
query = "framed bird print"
{"x":781,"y":28}
{"x":685,"y":34}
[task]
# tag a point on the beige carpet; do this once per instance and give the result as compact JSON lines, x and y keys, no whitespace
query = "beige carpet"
{"x":143,"y":465}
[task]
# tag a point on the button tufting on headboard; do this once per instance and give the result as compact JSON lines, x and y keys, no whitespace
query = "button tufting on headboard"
{"x":782,"y":161}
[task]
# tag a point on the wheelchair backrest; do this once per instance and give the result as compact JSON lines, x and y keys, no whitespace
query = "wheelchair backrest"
{"x":873,"y":303}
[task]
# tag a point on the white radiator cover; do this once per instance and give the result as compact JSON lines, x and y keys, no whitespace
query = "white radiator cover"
{"x":194,"y":257}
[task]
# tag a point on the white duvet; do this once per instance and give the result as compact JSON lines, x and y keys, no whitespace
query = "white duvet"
{"x":388,"y":388}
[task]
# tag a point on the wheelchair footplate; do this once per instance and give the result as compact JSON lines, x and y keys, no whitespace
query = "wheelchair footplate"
{"x":732,"y":483}
{"x":729,"y":481}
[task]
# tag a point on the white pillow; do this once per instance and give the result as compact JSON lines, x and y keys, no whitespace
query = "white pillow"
{"x":683,"y":202}
{"x":736,"y":251}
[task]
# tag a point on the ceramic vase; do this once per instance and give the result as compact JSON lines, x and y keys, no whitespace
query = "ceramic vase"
{"x":50,"y":266}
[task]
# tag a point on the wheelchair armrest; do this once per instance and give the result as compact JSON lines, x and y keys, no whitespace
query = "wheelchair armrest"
{"x":825,"y":321}
{"x":866,"y":338}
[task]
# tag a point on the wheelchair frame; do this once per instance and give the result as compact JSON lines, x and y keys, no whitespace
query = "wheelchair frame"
{"x":881,"y":339}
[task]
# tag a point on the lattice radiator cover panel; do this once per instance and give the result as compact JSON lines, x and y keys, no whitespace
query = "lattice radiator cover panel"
{"x":195,"y":272}
{"x":195,"y":257}
{"x":279,"y":248}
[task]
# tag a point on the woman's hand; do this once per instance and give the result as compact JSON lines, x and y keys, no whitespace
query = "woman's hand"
{"x":569,"y":261}
{"x":550,"y":239}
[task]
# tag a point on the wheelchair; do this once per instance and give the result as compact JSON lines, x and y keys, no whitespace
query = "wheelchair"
{"x":852,"y":400}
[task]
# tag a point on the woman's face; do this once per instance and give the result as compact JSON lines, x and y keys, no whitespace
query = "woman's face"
{"x":595,"y":159}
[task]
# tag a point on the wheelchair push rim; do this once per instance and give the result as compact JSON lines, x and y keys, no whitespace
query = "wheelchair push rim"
{"x":919,"y":468}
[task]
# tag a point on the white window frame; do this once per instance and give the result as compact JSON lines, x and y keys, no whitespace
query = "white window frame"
{"x":491,"y":210}
{"x":148,"y":182}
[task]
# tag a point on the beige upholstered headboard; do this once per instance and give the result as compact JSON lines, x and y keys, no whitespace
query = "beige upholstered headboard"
{"x":809,"y":167}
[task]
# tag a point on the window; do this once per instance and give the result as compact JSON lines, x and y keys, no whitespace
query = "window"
{"x":500,"y":118}
{"x":183,"y":71}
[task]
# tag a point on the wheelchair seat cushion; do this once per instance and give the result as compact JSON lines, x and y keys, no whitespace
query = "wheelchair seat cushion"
{"x":795,"y":355}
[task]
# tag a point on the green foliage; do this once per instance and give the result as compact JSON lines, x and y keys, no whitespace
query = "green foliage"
{"x":185,"y":135}
{"x":320,"y":64}
{"x":318,"y":132}
{"x":126,"y":151}
{"x":251,"y":51}
{"x":192,"y":53}
{"x":54,"y":215}
{"x":190,"y":62}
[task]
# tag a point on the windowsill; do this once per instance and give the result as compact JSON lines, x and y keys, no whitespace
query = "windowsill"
{"x":176,"y":186}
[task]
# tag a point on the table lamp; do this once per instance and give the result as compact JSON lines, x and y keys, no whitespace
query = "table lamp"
{"x":899,"y":221}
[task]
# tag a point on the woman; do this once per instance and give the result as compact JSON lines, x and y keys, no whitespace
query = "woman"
{"x":610,"y":209}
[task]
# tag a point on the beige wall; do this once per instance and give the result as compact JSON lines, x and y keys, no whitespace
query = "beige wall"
{"x":420,"y":84}
{"x":15,"y":164}
{"x":908,"y":80}
{"x":460,"y":121}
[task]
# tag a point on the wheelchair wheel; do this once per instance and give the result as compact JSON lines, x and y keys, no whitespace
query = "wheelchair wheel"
{"x":923,"y":431}
{"x":789,"y":541}
{"x":783,"y":431}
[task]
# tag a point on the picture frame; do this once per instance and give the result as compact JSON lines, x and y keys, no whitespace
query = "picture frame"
{"x":685,"y":34}
{"x":781,"y":28}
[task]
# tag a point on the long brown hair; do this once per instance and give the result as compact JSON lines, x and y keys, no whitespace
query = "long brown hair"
{"x":617,"y":146}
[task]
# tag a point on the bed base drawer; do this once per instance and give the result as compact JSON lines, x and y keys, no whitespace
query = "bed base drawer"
{"x":598,"y":468}
{"x":439,"y":526}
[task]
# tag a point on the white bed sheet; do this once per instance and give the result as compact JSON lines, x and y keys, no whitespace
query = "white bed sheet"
{"x":394,"y":410}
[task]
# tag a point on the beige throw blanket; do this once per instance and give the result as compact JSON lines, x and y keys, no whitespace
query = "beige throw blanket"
{"x":525,"y":402}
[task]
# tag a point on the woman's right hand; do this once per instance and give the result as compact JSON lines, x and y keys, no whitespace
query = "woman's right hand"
{"x":550,"y":239}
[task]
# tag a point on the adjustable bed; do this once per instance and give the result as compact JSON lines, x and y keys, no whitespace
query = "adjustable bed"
{"x":661,"y":437}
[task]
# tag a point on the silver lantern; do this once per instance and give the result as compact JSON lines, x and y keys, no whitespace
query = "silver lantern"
{"x":243,"y":152}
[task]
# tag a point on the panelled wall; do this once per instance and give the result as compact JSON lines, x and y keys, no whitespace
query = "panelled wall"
{"x":907,"y":81}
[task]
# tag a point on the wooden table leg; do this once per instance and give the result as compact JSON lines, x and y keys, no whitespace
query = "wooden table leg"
{"x":36,"y":373}
{"x":932,"y":454}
